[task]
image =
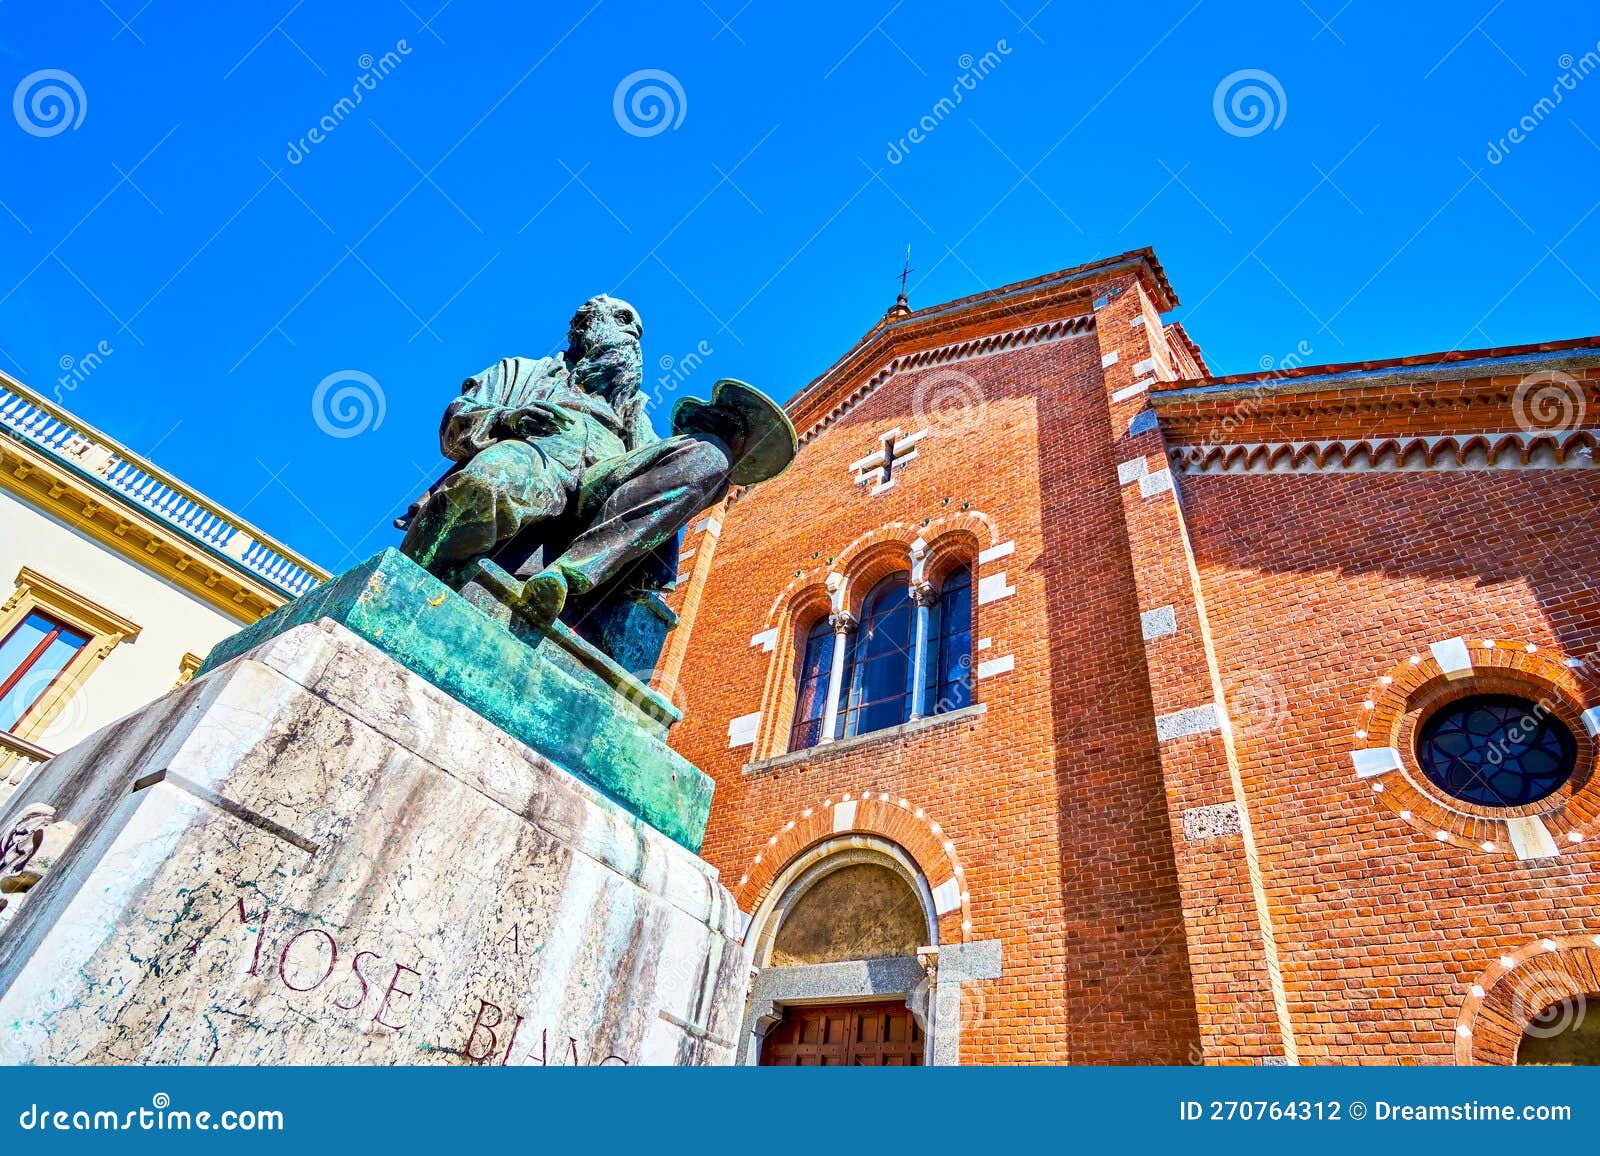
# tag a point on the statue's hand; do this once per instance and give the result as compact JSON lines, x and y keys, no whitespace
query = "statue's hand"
{"x":541,"y":419}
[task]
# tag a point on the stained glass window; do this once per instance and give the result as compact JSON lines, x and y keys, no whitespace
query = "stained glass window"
{"x":949,"y":676}
{"x":1496,"y":750}
{"x":811,"y":697}
{"x":880,"y":669}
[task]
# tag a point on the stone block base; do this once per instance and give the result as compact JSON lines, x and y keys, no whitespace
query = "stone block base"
{"x":313,"y":856}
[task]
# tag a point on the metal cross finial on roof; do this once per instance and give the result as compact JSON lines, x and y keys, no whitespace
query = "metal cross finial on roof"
{"x":901,"y":303}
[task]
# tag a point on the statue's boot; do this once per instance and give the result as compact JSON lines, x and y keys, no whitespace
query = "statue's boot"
{"x":543,"y":596}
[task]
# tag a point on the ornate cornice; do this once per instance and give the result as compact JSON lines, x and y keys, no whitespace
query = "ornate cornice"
{"x":969,"y":350}
{"x":1539,"y":450}
{"x":1010,"y":308}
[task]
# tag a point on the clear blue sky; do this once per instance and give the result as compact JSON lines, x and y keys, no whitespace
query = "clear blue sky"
{"x":485,"y":185}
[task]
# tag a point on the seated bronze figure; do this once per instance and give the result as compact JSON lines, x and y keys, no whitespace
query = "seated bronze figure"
{"x":560,"y":480}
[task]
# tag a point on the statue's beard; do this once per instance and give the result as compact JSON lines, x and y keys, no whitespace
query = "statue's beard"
{"x":613,"y":371}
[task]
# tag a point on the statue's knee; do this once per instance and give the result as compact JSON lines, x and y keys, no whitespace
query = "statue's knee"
{"x":703,"y":460}
{"x":473,"y":491}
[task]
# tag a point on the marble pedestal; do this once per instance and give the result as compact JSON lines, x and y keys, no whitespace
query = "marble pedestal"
{"x":313,"y":856}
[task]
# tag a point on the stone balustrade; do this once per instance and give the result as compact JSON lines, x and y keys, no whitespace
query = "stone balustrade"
{"x":31,"y":418}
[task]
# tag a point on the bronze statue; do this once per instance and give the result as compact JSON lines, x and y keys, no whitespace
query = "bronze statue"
{"x":560,"y":480}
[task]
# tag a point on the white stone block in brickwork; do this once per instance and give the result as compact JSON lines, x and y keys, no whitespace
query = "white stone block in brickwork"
{"x":1132,"y":470}
{"x":996,"y":666}
{"x":1591,"y":720}
{"x":1216,"y":821}
{"x":766,"y":640}
{"x":1196,"y":720}
{"x":947,"y":897}
{"x":1375,"y":761}
{"x":844,"y":817}
{"x":993,"y":553}
{"x":1157,"y":483}
{"x":1158,"y":623}
{"x":1148,"y":365}
{"x":1530,"y":838}
{"x":1133,"y":390}
{"x":993,"y":588}
{"x":1137,"y":321}
{"x":1108,"y":360}
{"x":1453,"y":657}
{"x":742,"y":730}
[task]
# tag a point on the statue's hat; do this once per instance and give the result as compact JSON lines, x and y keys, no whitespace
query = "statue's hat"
{"x":764,"y":441}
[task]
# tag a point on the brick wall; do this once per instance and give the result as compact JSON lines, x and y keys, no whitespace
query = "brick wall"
{"x":1052,"y":799}
{"x":1317,"y":586}
{"x":1230,"y":890}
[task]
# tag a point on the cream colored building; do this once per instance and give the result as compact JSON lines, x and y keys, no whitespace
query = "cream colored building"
{"x":116,"y":579}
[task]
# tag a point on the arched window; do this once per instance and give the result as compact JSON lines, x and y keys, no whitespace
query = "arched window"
{"x":881,"y":680}
{"x":879,"y":672}
{"x":811,"y":695}
{"x":949,"y":662}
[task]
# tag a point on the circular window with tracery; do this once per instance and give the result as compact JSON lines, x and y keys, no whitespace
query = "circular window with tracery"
{"x":1496,"y":750}
{"x":1487,"y":745}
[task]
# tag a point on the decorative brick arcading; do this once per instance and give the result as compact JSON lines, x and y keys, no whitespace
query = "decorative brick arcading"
{"x":1536,"y":450}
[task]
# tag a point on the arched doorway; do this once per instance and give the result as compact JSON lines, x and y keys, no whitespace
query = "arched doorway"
{"x":841,"y":950}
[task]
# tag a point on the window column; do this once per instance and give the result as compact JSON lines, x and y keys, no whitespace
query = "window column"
{"x":843,"y":623}
{"x":923,"y":596}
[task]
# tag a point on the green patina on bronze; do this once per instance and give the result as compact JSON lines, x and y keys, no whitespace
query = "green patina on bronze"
{"x":559,"y":479}
{"x":543,"y":685}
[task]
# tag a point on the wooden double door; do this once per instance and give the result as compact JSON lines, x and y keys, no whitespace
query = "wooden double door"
{"x":840,"y":1035}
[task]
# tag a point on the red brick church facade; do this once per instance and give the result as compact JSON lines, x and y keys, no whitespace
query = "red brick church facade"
{"x":1174,"y":808}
